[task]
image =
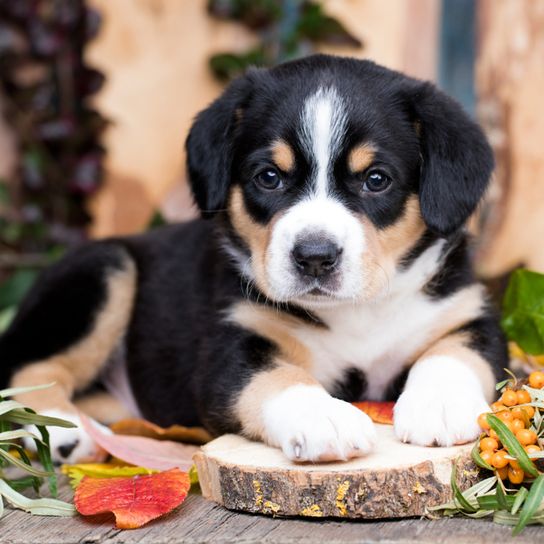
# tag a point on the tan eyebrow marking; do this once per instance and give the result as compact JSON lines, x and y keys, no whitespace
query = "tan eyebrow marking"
{"x":361,"y":157}
{"x":283,"y":155}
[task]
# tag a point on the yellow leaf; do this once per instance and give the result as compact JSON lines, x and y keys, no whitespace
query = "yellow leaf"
{"x":101,"y":470}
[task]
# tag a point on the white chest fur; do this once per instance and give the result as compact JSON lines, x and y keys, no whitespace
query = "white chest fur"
{"x":382,"y":337}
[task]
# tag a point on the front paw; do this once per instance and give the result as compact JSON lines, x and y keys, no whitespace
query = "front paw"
{"x":68,"y":445}
{"x":433,"y":416}
{"x":310,"y":425}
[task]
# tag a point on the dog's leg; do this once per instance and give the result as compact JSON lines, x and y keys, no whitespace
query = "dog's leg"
{"x":287,"y":408}
{"x":110,"y":272}
{"x":102,"y":407}
{"x":450,"y":385}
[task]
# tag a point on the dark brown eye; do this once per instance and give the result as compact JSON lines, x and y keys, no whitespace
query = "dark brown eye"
{"x":269,"y":180}
{"x":376,"y":181}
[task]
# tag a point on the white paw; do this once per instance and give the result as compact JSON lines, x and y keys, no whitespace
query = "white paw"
{"x":310,"y":425}
{"x":68,"y":445}
{"x":440,"y":404}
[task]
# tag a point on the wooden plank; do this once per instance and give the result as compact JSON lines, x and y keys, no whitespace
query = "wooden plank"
{"x":199,"y":520}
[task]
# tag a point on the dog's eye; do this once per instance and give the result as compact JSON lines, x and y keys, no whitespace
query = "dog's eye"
{"x":269,"y":179}
{"x":376,"y":181}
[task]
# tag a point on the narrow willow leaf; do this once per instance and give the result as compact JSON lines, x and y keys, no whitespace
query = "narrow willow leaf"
{"x":537,"y":394}
{"x":512,"y":445}
{"x":464,"y":504}
{"x":36,"y":481}
{"x":500,"y":385}
{"x":502,"y":498}
{"x":1,"y":506}
{"x":532,"y":502}
{"x":19,"y":484}
{"x":519,"y":497}
{"x":9,"y":405}
{"x":43,"y":507}
{"x":19,"y":433}
{"x":12,"y":391}
{"x":477,"y":458}
{"x":20,"y":464}
{"x":24,"y":417}
{"x":44,"y":455}
{"x":506,"y":518}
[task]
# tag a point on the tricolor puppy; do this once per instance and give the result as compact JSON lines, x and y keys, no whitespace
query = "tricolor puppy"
{"x":330,"y":266}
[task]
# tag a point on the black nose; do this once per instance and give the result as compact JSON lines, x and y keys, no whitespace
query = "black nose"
{"x":66,"y":449}
{"x":316,"y":257}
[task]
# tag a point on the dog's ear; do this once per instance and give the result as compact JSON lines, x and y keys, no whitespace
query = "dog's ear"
{"x":457,"y":160}
{"x":209,"y":147}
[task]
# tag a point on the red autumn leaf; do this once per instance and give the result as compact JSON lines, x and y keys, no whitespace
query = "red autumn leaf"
{"x":134,"y":501}
{"x":379,"y":412}
{"x":141,"y":451}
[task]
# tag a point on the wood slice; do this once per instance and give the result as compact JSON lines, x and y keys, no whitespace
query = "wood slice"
{"x":397,"y":480}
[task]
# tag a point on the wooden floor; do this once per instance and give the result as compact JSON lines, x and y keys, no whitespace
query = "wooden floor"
{"x":198,"y":520}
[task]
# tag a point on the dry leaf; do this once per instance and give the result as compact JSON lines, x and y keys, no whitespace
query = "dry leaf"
{"x":134,"y":501}
{"x":379,"y":412}
{"x":178,"y":433}
{"x":101,"y":470}
{"x":141,"y":451}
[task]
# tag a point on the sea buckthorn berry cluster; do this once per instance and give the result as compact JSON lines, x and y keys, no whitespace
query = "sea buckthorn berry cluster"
{"x":514,"y":411}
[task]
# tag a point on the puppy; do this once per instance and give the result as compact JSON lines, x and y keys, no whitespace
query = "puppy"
{"x":330,"y":265}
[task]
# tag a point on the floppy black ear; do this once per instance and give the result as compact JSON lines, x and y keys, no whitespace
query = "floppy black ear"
{"x":209,"y":147}
{"x":457,"y":160}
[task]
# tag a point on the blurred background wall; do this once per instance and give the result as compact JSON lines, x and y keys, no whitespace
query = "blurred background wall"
{"x":97,"y":97}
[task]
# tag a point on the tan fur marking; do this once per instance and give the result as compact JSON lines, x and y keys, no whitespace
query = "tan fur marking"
{"x":457,"y":345}
{"x":75,"y":368}
{"x":275,"y":327}
{"x":361,"y":157}
{"x":263,"y":386}
{"x":102,"y":406}
{"x":255,"y":235}
{"x":283,"y":156}
{"x":397,"y":239}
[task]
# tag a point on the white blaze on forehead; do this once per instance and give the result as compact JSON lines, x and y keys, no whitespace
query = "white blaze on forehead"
{"x":323,"y":125}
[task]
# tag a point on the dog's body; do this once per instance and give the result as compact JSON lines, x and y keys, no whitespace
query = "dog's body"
{"x":333,"y":266}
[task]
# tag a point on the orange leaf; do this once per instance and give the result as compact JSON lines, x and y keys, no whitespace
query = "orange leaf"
{"x":141,"y":451}
{"x":379,"y":412}
{"x":178,"y":433}
{"x":134,"y":501}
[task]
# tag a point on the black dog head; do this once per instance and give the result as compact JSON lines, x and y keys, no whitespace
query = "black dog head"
{"x":319,"y":161}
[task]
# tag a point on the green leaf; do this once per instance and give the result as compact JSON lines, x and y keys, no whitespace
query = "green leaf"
{"x":511,"y":443}
{"x":20,"y":484}
{"x":464,"y":504}
{"x":22,"y":465}
{"x":27,"y":417}
{"x":501,"y":496}
{"x":6,"y":317}
{"x":43,"y":507}
{"x":519,"y":497}
{"x":12,"y":391}
{"x":500,"y":385}
{"x":44,"y":455}
{"x":493,"y":502}
{"x":523,"y":311}
{"x":532,"y":503}
{"x":9,"y":405}
{"x":477,"y":458}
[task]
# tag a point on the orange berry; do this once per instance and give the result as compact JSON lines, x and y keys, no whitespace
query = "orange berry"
{"x":529,"y":410}
{"x":517,"y":425}
{"x":526,"y":437}
{"x":536,"y":379}
{"x":498,"y":406}
{"x":532,"y":448}
{"x":509,"y":398}
{"x":515,"y":475}
{"x":523,"y":396}
{"x":499,"y":459}
{"x":482,"y":421}
{"x":502,"y":473}
{"x":514,"y":464}
{"x":493,"y":434}
{"x":486,"y":456}
{"x":489,"y":444}
{"x":505,"y":415}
